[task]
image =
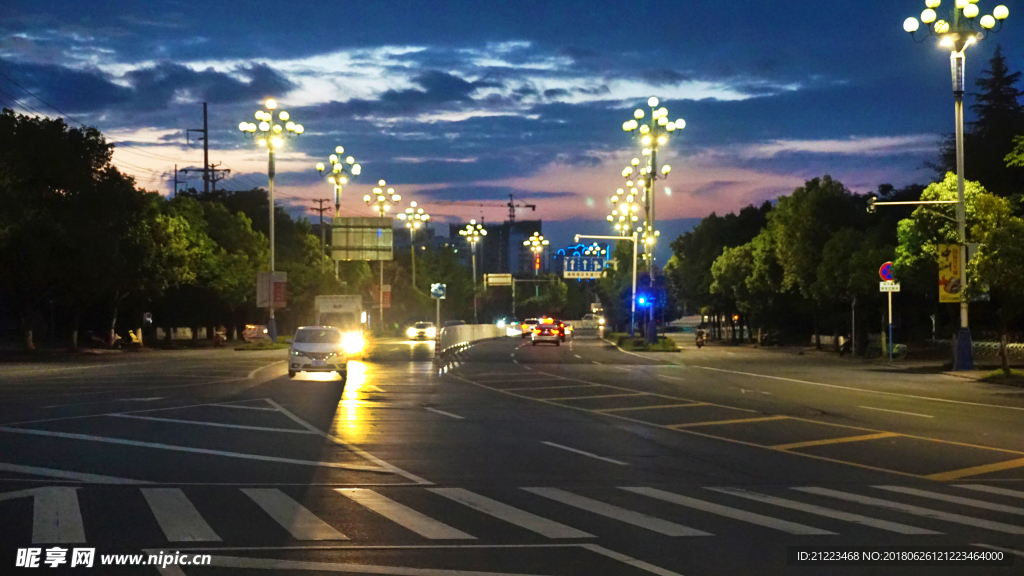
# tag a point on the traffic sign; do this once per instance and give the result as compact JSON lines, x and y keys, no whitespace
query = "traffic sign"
{"x":885,"y":272}
{"x":888,"y":286}
{"x":583,"y":267}
{"x":437,"y":291}
{"x":497,"y":279}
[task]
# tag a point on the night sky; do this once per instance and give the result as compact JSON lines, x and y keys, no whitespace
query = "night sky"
{"x":473,"y":100}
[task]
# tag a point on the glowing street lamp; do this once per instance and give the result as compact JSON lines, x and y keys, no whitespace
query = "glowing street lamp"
{"x":473,"y":233}
{"x":342,"y":170}
{"x":956,"y":34}
{"x":414,"y":218}
{"x":626,"y":209}
{"x":271,"y":134}
{"x":382,"y":198}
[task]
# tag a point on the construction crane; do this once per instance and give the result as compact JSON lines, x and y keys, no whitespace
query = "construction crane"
{"x":512,"y":205}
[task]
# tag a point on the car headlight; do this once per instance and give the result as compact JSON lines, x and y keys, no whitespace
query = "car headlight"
{"x":352,"y":342}
{"x":297,"y":353}
{"x":601,"y":321}
{"x":411,"y":332}
{"x":431,"y":332}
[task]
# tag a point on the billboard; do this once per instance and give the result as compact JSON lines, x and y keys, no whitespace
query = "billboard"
{"x":358,"y":238}
{"x":271,"y":289}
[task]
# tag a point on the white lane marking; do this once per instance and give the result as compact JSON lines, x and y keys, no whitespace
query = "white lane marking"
{"x":855,"y":389}
{"x":916,"y":510}
{"x":640,"y":564}
{"x":502,"y":511}
{"x":71,"y":436}
{"x":443,"y":413}
{"x":177,"y":516}
{"x":515,"y":361}
{"x":992,"y":490}
{"x":253,"y":373}
{"x":584,"y":453}
{"x":217,"y":424}
{"x":671,"y":377}
{"x":594,"y":362}
{"x":241,"y":407}
{"x":375,"y":388}
{"x":69,"y":475}
{"x":389,"y":467}
{"x":897,"y":412}
{"x":577,"y":355}
{"x":616,"y":513}
{"x":292,"y":516}
{"x":827,"y":512}
{"x":403,"y":515}
{"x":56,"y":516}
{"x":554,"y":387}
{"x":525,"y":367}
{"x":734,"y":513}
{"x":519,"y":380}
{"x":1001,"y":549}
{"x":955,"y":499}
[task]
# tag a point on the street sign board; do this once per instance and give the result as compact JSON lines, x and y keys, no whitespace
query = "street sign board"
{"x":583,"y":267}
{"x":437,"y":291}
{"x":377,"y":301}
{"x":271,"y":289}
{"x":885,"y":272}
{"x":497,"y":279}
{"x":358,"y":238}
{"x":888,"y":286}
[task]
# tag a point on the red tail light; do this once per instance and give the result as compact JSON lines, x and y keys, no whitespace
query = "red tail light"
{"x":555,"y":332}
{"x":536,"y":330}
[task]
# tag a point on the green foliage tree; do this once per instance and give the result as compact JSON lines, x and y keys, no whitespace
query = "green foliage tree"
{"x":1000,"y":265}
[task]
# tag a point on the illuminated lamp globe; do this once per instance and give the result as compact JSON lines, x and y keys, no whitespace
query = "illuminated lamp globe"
{"x":987,"y":22}
{"x":299,"y":129}
{"x":271,"y":104}
{"x":671,"y":126}
{"x":646,"y":151}
{"x":357,"y":170}
{"x":961,"y":4}
{"x":339,"y":150}
{"x":290,"y":126}
{"x":928,"y":16}
{"x":971,"y":10}
{"x":645,"y":129}
{"x":259,"y":114}
{"x":264,"y":126}
{"x":652,"y":102}
{"x":666,"y":169}
{"x":645,"y":140}
{"x":283,"y":115}
{"x":663,"y":112}
{"x":243,"y":126}
{"x":320,"y":166}
{"x":625,"y":127}
{"x":941,"y":27}
{"x":366,"y":198}
{"x":932,"y":3}
{"x":277,"y":142}
{"x":635,"y":161}
{"x":350,"y":160}
{"x":381,"y":183}
{"x":252,"y":126}
{"x":638,"y":114}
{"x":662,"y":121}
{"x":1001,"y":12}
{"x":278,"y":128}
{"x":333,"y":158}
{"x":662,"y":139}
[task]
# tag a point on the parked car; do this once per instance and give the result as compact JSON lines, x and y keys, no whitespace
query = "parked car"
{"x":255,"y":332}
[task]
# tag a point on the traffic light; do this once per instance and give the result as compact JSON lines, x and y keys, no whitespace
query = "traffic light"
{"x":641,"y":300}
{"x":871,"y":203}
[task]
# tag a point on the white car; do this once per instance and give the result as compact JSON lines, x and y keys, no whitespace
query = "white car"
{"x":421,"y":331}
{"x":547,"y":330}
{"x":319,"y":349}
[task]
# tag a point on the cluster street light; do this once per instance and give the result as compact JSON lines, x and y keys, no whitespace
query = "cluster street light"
{"x":652,"y":135}
{"x":473,"y":232}
{"x":414,"y":218}
{"x":957,"y":34}
{"x":536,"y":243}
{"x":625,"y":211}
{"x":634,"y":239}
{"x":382,"y":198}
{"x":340,"y":173}
{"x":271,"y":134}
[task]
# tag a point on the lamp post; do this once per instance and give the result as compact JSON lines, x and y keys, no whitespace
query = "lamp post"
{"x":652,"y":135}
{"x":632,"y":238}
{"x":473,"y":233}
{"x":380,"y":203}
{"x":414,"y":218}
{"x":271,"y":134}
{"x":536,"y":243}
{"x":339,"y":176}
{"x":957,"y":34}
{"x":624,"y":214}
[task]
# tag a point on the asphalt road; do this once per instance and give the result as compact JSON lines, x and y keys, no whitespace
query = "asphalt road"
{"x":508,"y":459}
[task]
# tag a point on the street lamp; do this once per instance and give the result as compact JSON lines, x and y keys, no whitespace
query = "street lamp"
{"x":341,"y":171}
{"x":382,"y":198}
{"x":957,"y":34}
{"x":625,"y":211}
{"x":537,"y":242}
{"x":271,"y":134}
{"x":414,"y":218}
{"x":473,"y":233}
{"x":632,"y":238}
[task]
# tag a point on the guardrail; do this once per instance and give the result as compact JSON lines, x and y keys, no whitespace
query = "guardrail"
{"x":454,"y":338}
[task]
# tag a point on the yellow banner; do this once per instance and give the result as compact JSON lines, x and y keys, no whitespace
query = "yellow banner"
{"x":949,"y":273}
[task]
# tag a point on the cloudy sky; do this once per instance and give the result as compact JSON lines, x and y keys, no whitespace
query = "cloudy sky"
{"x":458,"y":103}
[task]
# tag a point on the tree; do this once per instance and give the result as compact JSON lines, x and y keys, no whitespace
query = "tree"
{"x":1000,"y":265}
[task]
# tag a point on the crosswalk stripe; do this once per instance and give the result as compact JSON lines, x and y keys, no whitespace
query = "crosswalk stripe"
{"x":992,"y":490}
{"x":292,"y":516}
{"x":616,"y":513}
{"x":955,"y":499}
{"x":916,"y":510}
{"x":57,"y":517}
{"x":734,"y":513}
{"x":502,"y":511}
{"x":177,"y":516}
{"x":403,"y":515}
{"x":827,"y":512}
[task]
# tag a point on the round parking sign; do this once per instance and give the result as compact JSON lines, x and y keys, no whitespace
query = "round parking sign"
{"x":885,"y":272}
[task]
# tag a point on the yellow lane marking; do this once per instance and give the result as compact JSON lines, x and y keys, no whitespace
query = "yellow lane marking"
{"x":719,"y":422}
{"x":975,"y":470}
{"x":834,"y":441}
{"x":651,"y":407}
{"x":601,"y":396}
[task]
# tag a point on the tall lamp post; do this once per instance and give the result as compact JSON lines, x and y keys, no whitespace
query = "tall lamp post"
{"x":536,"y":243}
{"x":381,"y":201}
{"x":414,"y":218}
{"x":957,"y":34}
{"x":339,"y":176}
{"x":271,"y":134}
{"x":652,"y":135}
{"x":473,"y":233}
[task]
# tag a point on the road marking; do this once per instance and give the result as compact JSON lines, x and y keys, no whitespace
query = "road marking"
{"x":599,"y":396}
{"x":522,"y":380}
{"x":107,"y":402}
{"x":720,"y":422}
{"x":515,"y":361}
{"x":556,"y":387}
{"x":292,"y":516}
{"x":955,"y":499}
{"x":217,"y":424}
{"x":1001,"y":549}
{"x":976,"y":470}
{"x":916,"y":510}
{"x":992,"y":490}
{"x":177,"y":516}
{"x":734,"y":513}
{"x":855,"y":389}
{"x":616,"y":513}
{"x":403,"y":515}
{"x":842,"y":440}
{"x":71,"y":436}
{"x":239,"y":406}
{"x":650,"y":407}
{"x":594,"y":362}
{"x":69,"y":475}
{"x":502,"y":511}
{"x":443,"y":413}
{"x":584,"y":453}
{"x":897,"y":412}
{"x":672,"y":377}
{"x":253,"y":373}
{"x":56,"y":515}
{"x":827,"y":512}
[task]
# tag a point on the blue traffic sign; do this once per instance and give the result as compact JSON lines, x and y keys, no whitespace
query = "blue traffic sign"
{"x":437,"y":291}
{"x":885,"y":272}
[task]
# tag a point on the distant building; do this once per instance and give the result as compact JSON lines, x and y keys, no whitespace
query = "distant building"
{"x":502,"y":250}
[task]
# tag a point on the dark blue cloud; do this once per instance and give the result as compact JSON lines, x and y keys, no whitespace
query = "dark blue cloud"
{"x":459,"y":193}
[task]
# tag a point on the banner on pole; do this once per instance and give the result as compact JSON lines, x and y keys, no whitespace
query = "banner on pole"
{"x":949,"y":273}
{"x":271,"y":289}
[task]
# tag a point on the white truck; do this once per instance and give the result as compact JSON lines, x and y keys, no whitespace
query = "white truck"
{"x":346,"y":313}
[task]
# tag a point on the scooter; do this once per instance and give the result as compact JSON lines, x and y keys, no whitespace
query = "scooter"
{"x":701,"y":338}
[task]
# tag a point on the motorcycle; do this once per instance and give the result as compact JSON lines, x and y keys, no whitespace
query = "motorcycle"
{"x":701,"y":338}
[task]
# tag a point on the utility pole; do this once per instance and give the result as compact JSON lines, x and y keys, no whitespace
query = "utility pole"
{"x":320,"y":209}
{"x":177,"y":181}
{"x":214,"y":178}
{"x":206,"y":149}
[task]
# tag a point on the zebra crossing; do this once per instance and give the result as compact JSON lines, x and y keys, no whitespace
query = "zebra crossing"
{"x":551,"y":513}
